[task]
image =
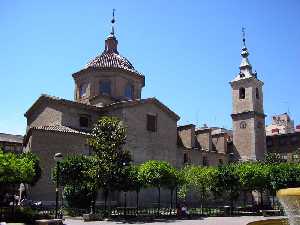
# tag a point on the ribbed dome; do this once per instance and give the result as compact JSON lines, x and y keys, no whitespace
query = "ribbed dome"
{"x":111,"y":60}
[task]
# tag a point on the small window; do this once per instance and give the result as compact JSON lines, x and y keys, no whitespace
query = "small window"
{"x":242,"y":93}
{"x":105,"y":87}
{"x":82,"y":90}
{"x":185,"y":158}
{"x":129,"y":91}
{"x":257,"y":93}
{"x":84,"y":121}
{"x":205,"y":161}
{"x":151,"y":123}
{"x":242,"y":75}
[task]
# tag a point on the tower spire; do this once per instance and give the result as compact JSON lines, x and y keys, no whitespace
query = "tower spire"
{"x":245,"y":65}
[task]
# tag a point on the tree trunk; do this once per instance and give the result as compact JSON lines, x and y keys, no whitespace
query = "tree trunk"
{"x":261,"y":199}
{"x":245,"y":197}
{"x":158,"y":200}
{"x":137,"y":201}
{"x":202,"y":200}
{"x":105,"y":199}
{"x":171,"y":200}
{"x":125,"y":203}
{"x":176,"y":196}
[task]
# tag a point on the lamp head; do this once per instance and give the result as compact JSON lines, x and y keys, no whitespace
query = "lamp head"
{"x":58,"y":157}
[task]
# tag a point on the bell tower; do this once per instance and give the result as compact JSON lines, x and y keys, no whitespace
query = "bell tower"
{"x":248,"y":118}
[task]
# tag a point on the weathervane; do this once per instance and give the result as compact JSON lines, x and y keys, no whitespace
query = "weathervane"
{"x":244,"y":35}
{"x":112,"y":22}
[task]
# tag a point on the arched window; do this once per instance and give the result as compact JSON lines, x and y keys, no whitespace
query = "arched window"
{"x":242,"y":93}
{"x":129,"y":91}
{"x":82,"y":90}
{"x":257,"y":93}
{"x":105,"y":87}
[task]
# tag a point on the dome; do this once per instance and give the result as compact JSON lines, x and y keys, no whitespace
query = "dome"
{"x":111,"y":59}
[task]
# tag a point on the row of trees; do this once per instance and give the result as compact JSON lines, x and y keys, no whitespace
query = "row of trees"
{"x":109,"y":169}
{"x":233,"y":180}
{"x":16,"y":169}
{"x":228,"y":181}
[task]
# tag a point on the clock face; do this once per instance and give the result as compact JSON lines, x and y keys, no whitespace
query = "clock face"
{"x":243,"y":125}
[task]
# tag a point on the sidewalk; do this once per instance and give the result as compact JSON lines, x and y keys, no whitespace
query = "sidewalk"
{"x":243,"y":220}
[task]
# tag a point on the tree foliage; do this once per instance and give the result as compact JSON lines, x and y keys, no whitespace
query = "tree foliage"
{"x":16,"y":169}
{"x":107,"y":139}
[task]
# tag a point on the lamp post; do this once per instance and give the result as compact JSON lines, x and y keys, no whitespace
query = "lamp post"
{"x":57,"y":158}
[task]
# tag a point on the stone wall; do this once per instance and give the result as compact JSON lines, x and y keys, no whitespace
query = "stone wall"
{"x":146,"y":145}
{"x":45,"y":144}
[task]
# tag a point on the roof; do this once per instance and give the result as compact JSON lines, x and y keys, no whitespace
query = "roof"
{"x":110,"y":60}
{"x":60,"y":128}
{"x":100,"y":109}
{"x":11,"y":138}
{"x":45,"y":97}
{"x":135,"y":102}
{"x":53,"y":128}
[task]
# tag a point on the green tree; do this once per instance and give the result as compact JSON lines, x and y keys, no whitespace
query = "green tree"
{"x":227,"y":183}
{"x":107,"y":139}
{"x":253,"y":176}
{"x":16,"y":169}
{"x":156,"y":174}
{"x":76,"y":174}
{"x":200,"y":179}
{"x":284,"y":175}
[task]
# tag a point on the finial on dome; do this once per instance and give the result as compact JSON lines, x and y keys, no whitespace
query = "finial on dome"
{"x":111,"y":42}
{"x":244,"y":36}
{"x":112,"y":22}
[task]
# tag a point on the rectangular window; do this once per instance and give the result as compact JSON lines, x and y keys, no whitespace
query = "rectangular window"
{"x":152,"y":123}
{"x":84,"y":121}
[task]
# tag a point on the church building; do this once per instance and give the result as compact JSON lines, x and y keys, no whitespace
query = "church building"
{"x":110,"y":85}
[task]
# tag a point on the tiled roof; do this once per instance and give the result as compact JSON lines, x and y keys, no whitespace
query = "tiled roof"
{"x":11,"y":138}
{"x":134,"y":102}
{"x":59,"y":128}
{"x":112,"y":60}
{"x":45,"y":97}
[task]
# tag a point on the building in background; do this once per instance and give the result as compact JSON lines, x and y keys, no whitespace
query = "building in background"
{"x":11,"y":143}
{"x":281,"y":124}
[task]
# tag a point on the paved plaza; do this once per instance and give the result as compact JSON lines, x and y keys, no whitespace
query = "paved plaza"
{"x":243,"y":220}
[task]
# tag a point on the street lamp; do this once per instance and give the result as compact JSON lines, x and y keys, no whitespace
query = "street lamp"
{"x":57,"y":158}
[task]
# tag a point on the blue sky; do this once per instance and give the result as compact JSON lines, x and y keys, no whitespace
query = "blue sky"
{"x":188,"y":51}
